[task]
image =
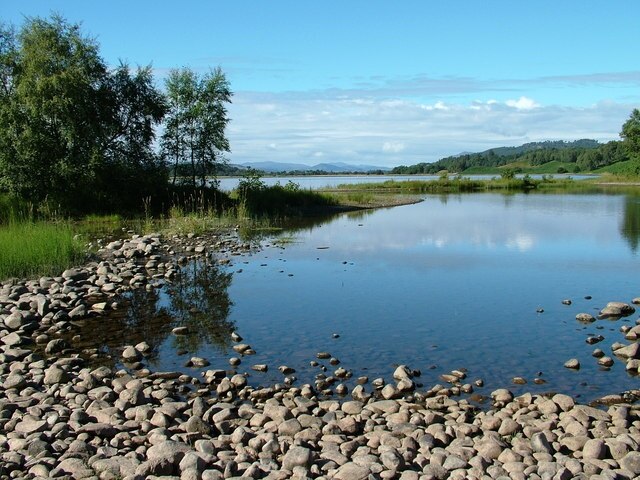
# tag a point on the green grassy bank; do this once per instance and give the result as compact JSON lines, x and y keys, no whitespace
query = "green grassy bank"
{"x":37,"y":248}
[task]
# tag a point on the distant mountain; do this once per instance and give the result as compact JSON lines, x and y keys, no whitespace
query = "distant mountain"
{"x":274,"y":166}
{"x":338,"y":167}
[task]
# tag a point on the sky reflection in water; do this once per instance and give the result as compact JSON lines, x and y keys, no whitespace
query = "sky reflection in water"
{"x":454,"y":281}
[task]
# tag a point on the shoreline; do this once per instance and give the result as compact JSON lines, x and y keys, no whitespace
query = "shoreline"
{"x":58,"y":416}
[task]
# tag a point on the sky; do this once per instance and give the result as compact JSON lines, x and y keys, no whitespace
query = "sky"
{"x":375,"y":83}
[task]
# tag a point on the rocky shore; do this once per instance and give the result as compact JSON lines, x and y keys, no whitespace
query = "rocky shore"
{"x":63,"y":417}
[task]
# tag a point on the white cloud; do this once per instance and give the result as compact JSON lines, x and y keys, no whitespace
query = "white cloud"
{"x":390,"y":132}
{"x":393,"y":147}
{"x":523,"y":103}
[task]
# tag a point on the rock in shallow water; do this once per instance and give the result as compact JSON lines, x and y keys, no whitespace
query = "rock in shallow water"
{"x":585,"y":318}
{"x":572,"y":363}
{"x":616,"y":309}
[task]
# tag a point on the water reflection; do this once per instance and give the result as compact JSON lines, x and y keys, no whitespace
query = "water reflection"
{"x":630,"y":227}
{"x":455,"y":281}
{"x":198,"y":300}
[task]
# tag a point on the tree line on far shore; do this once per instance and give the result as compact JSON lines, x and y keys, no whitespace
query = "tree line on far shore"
{"x":79,"y":136}
{"x":573,"y":157}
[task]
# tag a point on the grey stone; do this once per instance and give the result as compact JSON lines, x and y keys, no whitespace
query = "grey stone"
{"x":55,"y":375}
{"x":14,"y":380}
{"x":14,"y":321}
{"x":594,"y":448}
{"x":352,"y":471}
{"x":289,"y":427}
{"x":631,"y":462}
{"x":297,"y":457}
{"x":170,"y":450}
{"x":502,"y":395}
{"x":539,"y":443}
{"x":75,"y":467}
{"x":13,"y":339}
{"x":196,"y":425}
{"x":30,"y":425}
{"x":56,"y":345}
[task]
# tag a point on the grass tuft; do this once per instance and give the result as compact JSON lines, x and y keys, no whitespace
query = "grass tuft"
{"x":37,"y":248}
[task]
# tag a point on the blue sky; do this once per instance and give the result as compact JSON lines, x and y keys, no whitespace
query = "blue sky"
{"x":375,"y":83}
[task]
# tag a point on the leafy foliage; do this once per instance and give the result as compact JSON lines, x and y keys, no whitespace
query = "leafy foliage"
{"x":80,"y":137}
{"x":71,"y":131}
{"x":196,"y":122}
{"x":631,"y":133}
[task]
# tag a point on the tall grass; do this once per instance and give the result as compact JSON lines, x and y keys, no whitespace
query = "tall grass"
{"x":37,"y":248}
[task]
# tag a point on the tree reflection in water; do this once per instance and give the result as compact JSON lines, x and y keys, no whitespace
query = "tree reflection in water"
{"x":198,"y":300}
{"x":630,"y":226}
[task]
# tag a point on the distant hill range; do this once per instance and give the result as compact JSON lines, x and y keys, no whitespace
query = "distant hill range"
{"x":548,"y":157}
{"x":338,"y":167}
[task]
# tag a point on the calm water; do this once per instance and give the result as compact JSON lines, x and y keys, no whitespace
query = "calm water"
{"x":331,"y":181}
{"x":452,"y":282}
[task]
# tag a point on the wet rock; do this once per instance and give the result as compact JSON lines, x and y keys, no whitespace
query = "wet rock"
{"x":56,"y":346}
{"x":199,"y":362}
{"x":593,"y":339}
{"x":130,"y":354}
{"x":241,"y":348}
{"x":572,"y":363}
{"x":260,"y":367}
{"x":605,"y":361}
{"x":402,"y":373}
{"x":629,"y":351}
{"x":616,"y":309}
{"x":585,"y":318}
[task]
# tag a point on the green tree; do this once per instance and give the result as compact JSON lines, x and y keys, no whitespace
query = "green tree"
{"x":196,"y":122}
{"x":129,"y":165}
{"x":631,"y":133}
{"x":71,"y":130}
{"x":50,"y":118}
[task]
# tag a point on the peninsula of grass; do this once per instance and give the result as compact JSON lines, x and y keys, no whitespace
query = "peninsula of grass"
{"x":459,"y":185}
{"x":37,"y":248}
